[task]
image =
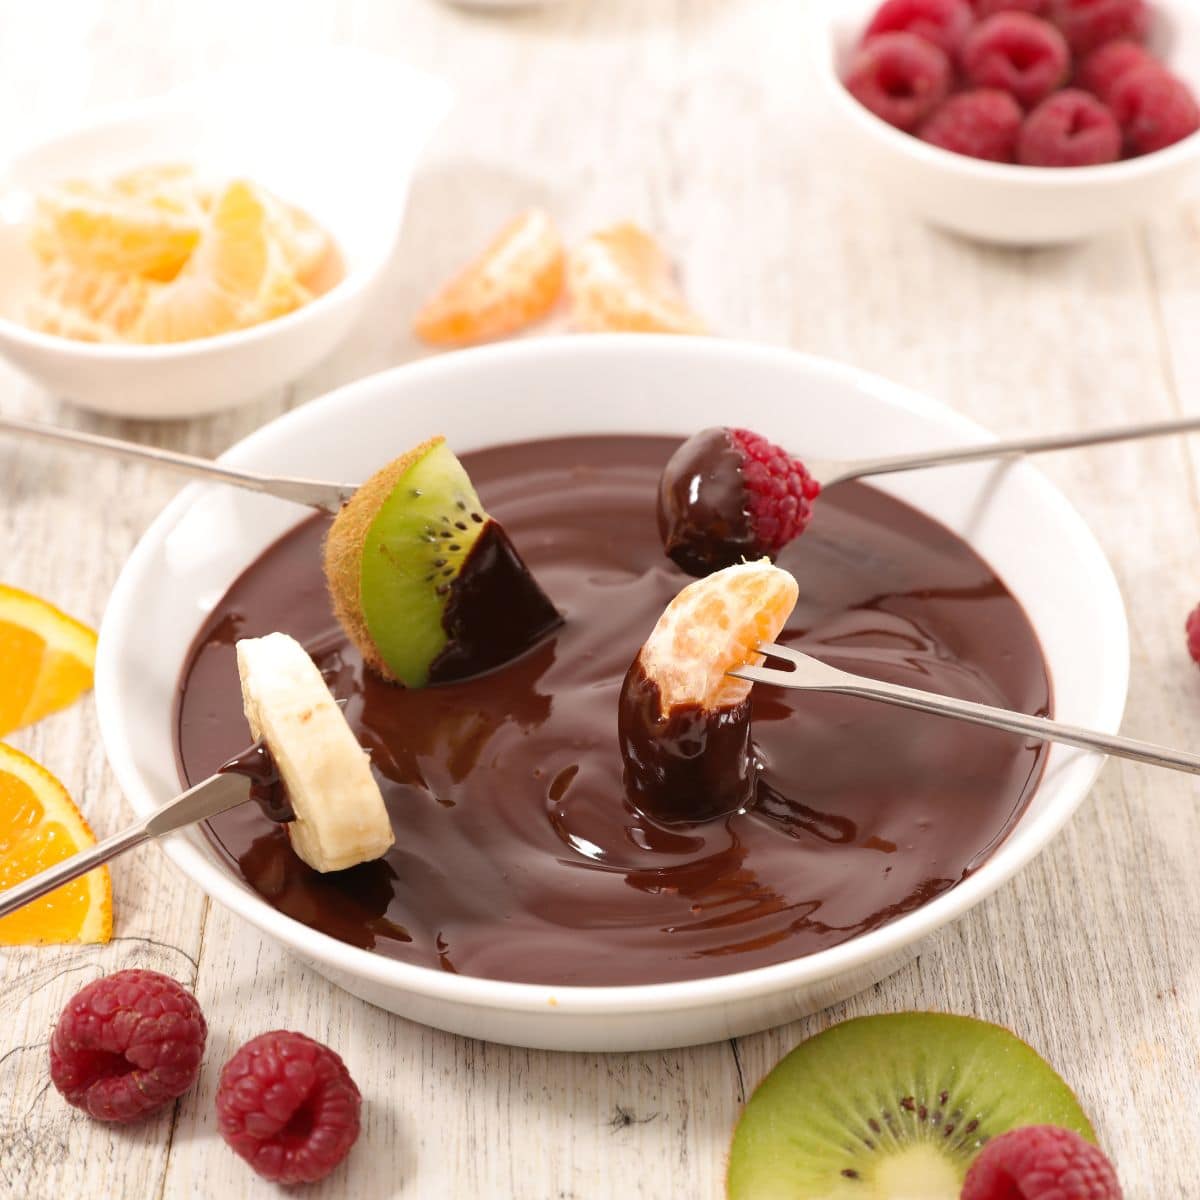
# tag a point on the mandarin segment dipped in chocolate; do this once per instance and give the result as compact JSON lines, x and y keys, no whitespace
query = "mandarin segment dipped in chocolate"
{"x":683,"y":720}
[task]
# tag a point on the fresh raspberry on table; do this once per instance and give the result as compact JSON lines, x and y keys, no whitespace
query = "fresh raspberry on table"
{"x":942,"y":22}
{"x":1154,"y":108}
{"x":901,"y":78}
{"x":1041,"y":1162}
{"x":779,"y":490}
{"x":1193,"y":633}
{"x":989,"y":8}
{"x":1103,"y":69}
{"x":288,"y":1106}
{"x":1087,"y":24}
{"x":982,"y":124}
{"x":1069,"y":129}
{"x":1020,"y":54}
{"x":126,"y":1045}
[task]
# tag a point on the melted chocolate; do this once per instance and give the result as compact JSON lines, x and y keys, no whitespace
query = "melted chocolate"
{"x":702,"y":515}
{"x":495,"y":611}
{"x":267,"y":788}
{"x":690,"y":764}
{"x":518,"y":853}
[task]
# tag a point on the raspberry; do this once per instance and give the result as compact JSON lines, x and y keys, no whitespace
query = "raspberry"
{"x":1103,"y":69}
{"x":901,"y":78}
{"x":982,"y":124}
{"x":288,"y":1106}
{"x":126,"y":1045}
{"x":779,"y":490}
{"x":1193,"y":634}
{"x":942,"y":22}
{"x":1041,"y":1162}
{"x":1154,"y":109}
{"x":1018,"y":54}
{"x":1070,"y":129}
{"x":1087,"y":24}
{"x":989,"y":8}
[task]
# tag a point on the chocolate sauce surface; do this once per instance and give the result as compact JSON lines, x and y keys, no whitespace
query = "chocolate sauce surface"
{"x":518,"y":855}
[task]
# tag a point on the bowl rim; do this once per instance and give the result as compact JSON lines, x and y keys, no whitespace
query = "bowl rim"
{"x":354,"y":282}
{"x":824,"y":15}
{"x":217,"y":882}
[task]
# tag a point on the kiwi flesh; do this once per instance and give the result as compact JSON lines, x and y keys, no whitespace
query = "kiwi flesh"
{"x":423,"y":580}
{"x":891,"y":1107}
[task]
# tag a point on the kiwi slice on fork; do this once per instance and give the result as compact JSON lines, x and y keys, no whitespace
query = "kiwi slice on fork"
{"x":425,"y":583}
{"x":891,"y":1108}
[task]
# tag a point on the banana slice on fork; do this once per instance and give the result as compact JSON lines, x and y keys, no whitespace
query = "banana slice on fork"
{"x":340,"y":817}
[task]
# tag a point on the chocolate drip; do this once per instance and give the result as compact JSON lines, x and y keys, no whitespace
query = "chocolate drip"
{"x":702,"y":515}
{"x":267,"y":788}
{"x":519,"y":855}
{"x":495,"y":613}
{"x":690,"y":764}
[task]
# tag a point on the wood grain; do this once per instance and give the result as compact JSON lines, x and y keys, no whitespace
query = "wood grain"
{"x":697,"y":118}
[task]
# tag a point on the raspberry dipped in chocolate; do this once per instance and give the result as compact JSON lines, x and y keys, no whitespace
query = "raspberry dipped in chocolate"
{"x":728,"y":496}
{"x":683,"y":721}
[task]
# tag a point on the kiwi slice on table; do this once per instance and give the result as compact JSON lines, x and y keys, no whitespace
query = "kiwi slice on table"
{"x":891,"y":1108}
{"x":426,"y":584}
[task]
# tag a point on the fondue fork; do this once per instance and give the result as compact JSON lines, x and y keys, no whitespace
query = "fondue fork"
{"x":810,"y":674}
{"x":210,"y":797}
{"x":329,"y":497}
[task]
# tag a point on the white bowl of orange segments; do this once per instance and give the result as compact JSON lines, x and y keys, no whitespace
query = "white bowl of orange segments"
{"x":193,"y":251}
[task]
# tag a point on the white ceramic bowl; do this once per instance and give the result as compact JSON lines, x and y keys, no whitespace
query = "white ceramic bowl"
{"x":336,"y":132}
{"x":996,"y":202}
{"x":634,"y":383}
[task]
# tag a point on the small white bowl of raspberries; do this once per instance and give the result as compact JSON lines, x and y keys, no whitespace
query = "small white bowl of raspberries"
{"x":1021,"y":122}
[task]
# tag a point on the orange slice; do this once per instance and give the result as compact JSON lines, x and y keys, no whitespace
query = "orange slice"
{"x":88,"y":305}
{"x":145,"y":223}
{"x":40,"y":826}
{"x":620,"y":279}
{"x":713,"y":626}
{"x":238,"y":276}
{"x":46,"y":659}
{"x":516,"y":281}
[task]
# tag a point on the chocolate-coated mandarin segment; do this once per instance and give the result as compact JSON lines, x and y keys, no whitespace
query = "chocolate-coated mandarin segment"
{"x":729,"y":495}
{"x":425,"y":583}
{"x":682,"y":720}
{"x":892,"y":1107}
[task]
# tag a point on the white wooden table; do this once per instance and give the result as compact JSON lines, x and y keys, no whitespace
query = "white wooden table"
{"x":696,"y":117}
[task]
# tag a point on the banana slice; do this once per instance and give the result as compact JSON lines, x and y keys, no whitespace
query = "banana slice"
{"x":340,"y":815}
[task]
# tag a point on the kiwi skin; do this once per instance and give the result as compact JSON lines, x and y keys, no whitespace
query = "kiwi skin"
{"x":344,"y":548}
{"x":892,"y":1105}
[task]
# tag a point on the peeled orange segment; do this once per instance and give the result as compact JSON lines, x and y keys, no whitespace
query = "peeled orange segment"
{"x":88,"y":305}
{"x":712,"y":627}
{"x":516,"y":281}
{"x":620,"y":279}
{"x":40,"y":826}
{"x":135,"y":224}
{"x":238,"y":276}
{"x":46,"y":659}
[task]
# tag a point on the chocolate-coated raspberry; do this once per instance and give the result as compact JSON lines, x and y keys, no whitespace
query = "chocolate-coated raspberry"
{"x":126,"y":1045}
{"x":982,"y":124}
{"x":942,"y":22}
{"x":779,"y":491}
{"x":1017,"y":53}
{"x":288,"y":1106}
{"x":1041,"y":1162}
{"x":1154,"y":108}
{"x":900,"y":78}
{"x":1070,"y":129}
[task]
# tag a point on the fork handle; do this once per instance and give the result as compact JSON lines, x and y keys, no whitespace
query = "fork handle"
{"x":87,"y":860}
{"x":314,"y":493}
{"x":1041,"y":728}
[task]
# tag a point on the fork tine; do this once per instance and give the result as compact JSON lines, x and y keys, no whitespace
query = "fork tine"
{"x":784,"y":652}
{"x":764,"y":675}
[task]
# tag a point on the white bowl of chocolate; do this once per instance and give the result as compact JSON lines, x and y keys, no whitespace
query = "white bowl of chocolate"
{"x":541,"y":889}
